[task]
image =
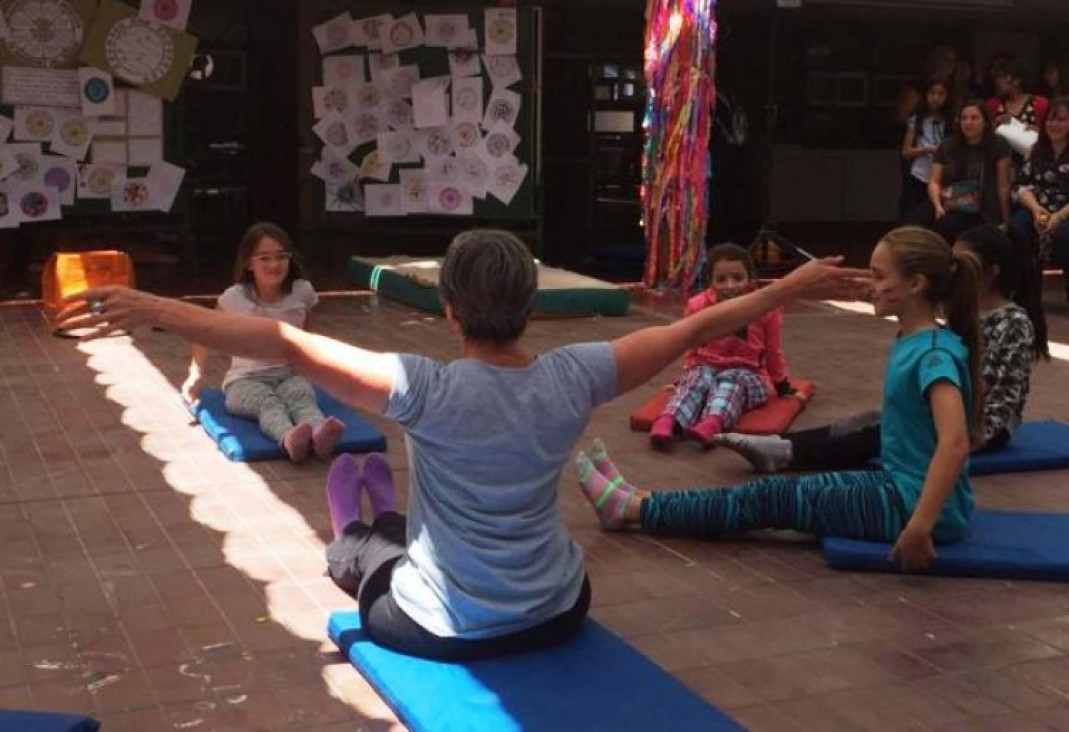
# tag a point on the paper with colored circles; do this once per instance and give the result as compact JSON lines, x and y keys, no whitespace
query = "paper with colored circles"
{"x":96,"y":89}
{"x":402,"y":34}
{"x":72,"y":136}
{"x":61,"y":175}
{"x":383,"y":199}
{"x":35,"y":124}
{"x":500,"y":31}
{"x":171,"y":13}
{"x":95,"y":181}
{"x":335,"y":34}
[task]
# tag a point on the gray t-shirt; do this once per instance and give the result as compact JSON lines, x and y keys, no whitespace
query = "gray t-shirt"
{"x":488,"y":551}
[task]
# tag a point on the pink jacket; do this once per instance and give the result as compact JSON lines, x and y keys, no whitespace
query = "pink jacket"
{"x":761,"y":350}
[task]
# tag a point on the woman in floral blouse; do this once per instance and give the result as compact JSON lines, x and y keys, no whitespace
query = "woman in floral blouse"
{"x":1043,"y":188}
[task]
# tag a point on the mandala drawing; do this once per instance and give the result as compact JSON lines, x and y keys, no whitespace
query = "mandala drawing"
{"x":28,"y":166}
{"x":39,"y":124}
{"x":337,"y":134}
{"x":165,"y":10}
{"x":498,"y":144}
{"x":501,"y":30}
{"x":58,"y":178}
{"x":44,"y":32}
{"x":336,"y":100}
{"x":372,"y":27}
{"x":466,"y":99}
{"x":450,"y":199}
{"x":139,"y":51}
{"x":366,"y":125}
{"x":100,"y":180}
{"x":399,"y":114}
{"x":34,"y":205}
{"x":501,"y":109}
{"x":438,"y":142}
{"x":74,"y":131}
{"x":402,"y":35}
{"x":368,"y":96}
{"x":466,"y":134}
{"x":135,"y":193}
{"x":96,"y":90}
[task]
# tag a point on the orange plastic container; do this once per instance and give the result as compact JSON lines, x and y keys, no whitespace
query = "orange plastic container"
{"x":68,"y":273}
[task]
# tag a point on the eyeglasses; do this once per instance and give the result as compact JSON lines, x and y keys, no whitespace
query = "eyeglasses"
{"x":270,"y":257}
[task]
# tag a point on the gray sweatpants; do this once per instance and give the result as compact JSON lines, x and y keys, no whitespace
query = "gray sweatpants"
{"x":279,"y":399}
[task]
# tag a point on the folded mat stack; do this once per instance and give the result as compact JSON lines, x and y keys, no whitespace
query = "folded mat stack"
{"x":241,"y":440}
{"x":771,"y":418}
{"x":594,"y":682}
{"x":415,"y":282}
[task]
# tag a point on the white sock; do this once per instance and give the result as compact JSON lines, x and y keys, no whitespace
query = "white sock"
{"x":766,"y":453}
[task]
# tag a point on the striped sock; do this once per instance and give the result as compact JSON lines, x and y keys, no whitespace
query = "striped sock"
{"x":608,"y":497}
{"x":599,"y":455}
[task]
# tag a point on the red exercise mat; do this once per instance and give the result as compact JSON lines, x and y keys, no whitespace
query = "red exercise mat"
{"x":772,"y":418}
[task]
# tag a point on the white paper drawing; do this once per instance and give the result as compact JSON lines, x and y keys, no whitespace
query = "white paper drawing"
{"x":72,"y":136}
{"x":503,"y":71}
{"x":397,"y":147}
{"x":144,"y":114}
{"x":401,"y":34}
{"x":61,"y":175}
{"x":366,"y":126}
{"x":144,"y":150}
{"x":344,"y":197}
{"x":506,"y":179}
{"x":398,"y":114}
{"x":414,"y":190}
{"x":95,"y":181}
{"x":336,"y":132}
{"x":436,"y":142}
{"x":500,"y":31}
{"x":375,"y":168}
{"x":107,"y":126}
{"x":500,"y":141}
{"x":466,"y":135}
{"x":503,"y":106}
{"x":343,"y":70}
{"x":398,"y":82}
{"x":335,"y":34}
{"x":449,"y":198}
{"x":430,"y":106}
{"x":39,"y":87}
{"x":464,"y":63}
{"x":334,"y":168}
{"x":442,"y":170}
{"x":368,"y":32}
{"x":468,"y":99}
{"x":171,"y":13}
{"x":96,"y":90}
{"x":327,"y":99}
{"x":164,"y":180}
{"x":133,"y":194}
{"x":36,"y":202}
{"x":474,"y":172}
{"x":28,"y":157}
{"x":383,"y":200}
{"x":445,"y":31}
{"x":35,"y":124}
{"x":380,"y":62}
{"x":366,"y":97}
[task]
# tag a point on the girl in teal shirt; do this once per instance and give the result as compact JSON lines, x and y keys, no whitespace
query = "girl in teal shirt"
{"x":922,"y":496}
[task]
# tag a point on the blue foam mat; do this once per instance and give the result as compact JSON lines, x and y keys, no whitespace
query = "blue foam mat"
{"x":1035,"y":446}
{"x":1006,"y":544}
{"x":241,"y":440}
{"x":594,"y":682}
{"x":19,"y":721}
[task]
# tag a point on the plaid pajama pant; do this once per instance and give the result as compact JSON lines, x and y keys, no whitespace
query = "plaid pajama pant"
{"x":704,"y":392}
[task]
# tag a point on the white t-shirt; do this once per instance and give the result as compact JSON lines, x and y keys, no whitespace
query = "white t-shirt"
{"x":292,"y":309}
{"x":931,"y":134}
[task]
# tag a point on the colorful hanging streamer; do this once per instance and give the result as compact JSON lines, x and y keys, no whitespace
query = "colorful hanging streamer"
{"x":680,"y":65}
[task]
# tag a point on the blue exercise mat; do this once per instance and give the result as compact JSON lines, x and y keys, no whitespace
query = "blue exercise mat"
{"x":241,"y":440}
{"x":18,"y":721}
{"x":594,"y":682}
{"x":1035,"y":446}
{"x":1007,"y":544}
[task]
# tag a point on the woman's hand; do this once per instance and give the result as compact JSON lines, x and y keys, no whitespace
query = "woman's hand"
{"x":826,"y":279}
{"x":914,"y":550}
{"x":107,"y":310}
{"x":940,"y":212}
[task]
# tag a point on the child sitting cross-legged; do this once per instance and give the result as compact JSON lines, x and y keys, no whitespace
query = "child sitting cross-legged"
{"x":725,"y":377}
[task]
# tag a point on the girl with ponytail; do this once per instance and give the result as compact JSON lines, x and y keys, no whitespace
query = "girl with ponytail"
{"x":1012,"y":326}
{"x":921,"y":496}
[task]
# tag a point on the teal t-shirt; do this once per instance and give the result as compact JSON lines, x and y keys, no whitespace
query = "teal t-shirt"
{"x":907,"y":431}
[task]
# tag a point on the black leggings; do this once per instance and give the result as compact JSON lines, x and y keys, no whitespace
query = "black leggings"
{"x":361,"y":563}
{"x":819,"y":450}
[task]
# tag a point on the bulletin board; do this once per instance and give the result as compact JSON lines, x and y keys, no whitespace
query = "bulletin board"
{"x":473,"y":155}
{"x":90,"y":123}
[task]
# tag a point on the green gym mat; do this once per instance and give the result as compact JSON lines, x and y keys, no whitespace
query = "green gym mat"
{"x":415,"y":282}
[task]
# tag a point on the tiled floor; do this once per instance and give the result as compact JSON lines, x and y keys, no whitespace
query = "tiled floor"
{"x":148,"y":581}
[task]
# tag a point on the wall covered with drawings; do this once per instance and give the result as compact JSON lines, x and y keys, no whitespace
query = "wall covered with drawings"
{"x":418,"y":113}
{"x":86,"y":113}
